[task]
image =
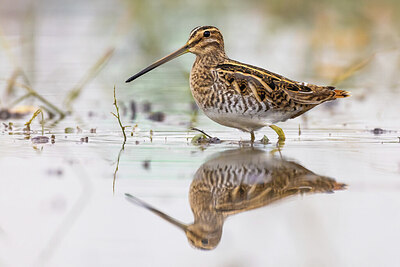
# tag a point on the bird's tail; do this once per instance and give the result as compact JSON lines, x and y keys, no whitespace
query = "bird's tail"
{"x":339,"y":186}
{"x":341,"y":93}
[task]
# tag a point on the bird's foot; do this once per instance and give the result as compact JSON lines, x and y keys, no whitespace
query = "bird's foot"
{"x":280,"y":133}
{"x":252,"y":138}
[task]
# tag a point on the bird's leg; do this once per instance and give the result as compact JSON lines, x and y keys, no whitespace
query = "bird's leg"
{"x":279,"y":132}
{"x":252,"y":137}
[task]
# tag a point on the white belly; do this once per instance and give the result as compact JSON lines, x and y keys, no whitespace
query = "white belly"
{"x":246,"y":122}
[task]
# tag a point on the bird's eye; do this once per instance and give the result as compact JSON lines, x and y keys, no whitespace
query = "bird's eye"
{"x":204,"y":241}
{"x":206,"y":34}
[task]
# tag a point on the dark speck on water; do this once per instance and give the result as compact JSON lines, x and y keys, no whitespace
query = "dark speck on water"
{"x":214,"y":140}
{"x":40,"y":139}
{"x":146,"y":164}
{"x":55,"y":172}
{"x":84,"y":139}
{"x":157,"y":116}
{"x":378,"y":131}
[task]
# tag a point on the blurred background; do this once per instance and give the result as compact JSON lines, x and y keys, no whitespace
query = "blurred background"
{"x":57,"y":205}
{"x":84,"y":49}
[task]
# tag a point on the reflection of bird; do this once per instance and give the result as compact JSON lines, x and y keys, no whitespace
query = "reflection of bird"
{"x":237,"y":181}
{"x":239,"y":95}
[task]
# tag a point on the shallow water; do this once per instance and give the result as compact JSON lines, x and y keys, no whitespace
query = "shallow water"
{"x":58,"y":206}
{"x":57,"y":202}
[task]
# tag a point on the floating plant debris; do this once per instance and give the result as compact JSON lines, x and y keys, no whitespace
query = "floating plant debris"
{"x":264,"y":140}
{"x":204,"y":138}
{"x":200,"y":139}
{"x":69,"y":130}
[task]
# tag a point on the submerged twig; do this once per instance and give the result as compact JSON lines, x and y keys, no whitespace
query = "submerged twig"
{"x":117,"y":167}
{"x":117,"y":115}
{"x":35,"y":114}
{"x":203,"y":138}
{"x":201,"y":131}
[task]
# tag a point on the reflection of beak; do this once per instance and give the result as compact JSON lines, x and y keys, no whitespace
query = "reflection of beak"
{"x":177,"y":53}
{"x":166,"y":217}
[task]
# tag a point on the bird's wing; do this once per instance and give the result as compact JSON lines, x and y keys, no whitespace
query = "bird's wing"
{"x":244,"y":197}
{"x":250,"y":196}
{"x":270,"y":87}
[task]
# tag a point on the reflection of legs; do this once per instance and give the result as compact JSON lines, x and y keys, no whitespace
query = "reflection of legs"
{"x":279,"y":146}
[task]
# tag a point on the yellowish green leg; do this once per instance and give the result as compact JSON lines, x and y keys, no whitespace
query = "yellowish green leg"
{"x":281,"y":139}
{"x":252,"y":137}
{"x":279,"y":132}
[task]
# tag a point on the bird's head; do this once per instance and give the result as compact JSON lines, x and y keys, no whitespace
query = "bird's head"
{"x":202,"y":41}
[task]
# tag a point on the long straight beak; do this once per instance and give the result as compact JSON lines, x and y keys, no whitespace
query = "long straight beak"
{"x":166,"y":217}
{"x":177,"y":53}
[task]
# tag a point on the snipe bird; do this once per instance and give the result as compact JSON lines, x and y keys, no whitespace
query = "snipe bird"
{"x":239,"y":95}
{"x":236,"y":181}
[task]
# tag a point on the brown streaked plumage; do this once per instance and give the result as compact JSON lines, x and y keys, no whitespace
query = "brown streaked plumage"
{"x":236,"y":181}
{"x":239,"y":95}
